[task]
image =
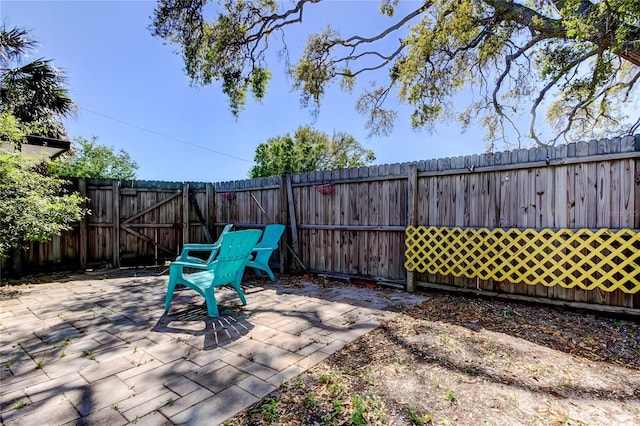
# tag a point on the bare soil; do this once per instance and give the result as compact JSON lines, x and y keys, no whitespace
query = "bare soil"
{"x":459,"y":360}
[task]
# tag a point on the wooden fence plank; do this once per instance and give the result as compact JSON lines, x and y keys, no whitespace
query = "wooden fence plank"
{"x":412,"y":216}
{"x":115,"y":215}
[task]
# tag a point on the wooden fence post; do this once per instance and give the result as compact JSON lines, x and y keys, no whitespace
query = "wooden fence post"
{"x":412,"y":216}
{"x":185,"y":213}
{"x":292,"y":217}
{"x":83,"y":232}
{"x":284,"y":219}
{"x":210,"y":204}
{"x":115,"y":185}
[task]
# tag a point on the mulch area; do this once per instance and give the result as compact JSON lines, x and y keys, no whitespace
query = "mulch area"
{"x":467,"y":360}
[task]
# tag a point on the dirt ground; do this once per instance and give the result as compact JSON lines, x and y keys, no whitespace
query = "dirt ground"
{"x":459,"y":360}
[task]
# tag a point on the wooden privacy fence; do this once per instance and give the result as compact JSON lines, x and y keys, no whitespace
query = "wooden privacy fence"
{"x":352,"y":222}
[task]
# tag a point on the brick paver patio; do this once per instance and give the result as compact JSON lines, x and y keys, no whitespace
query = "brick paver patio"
{"x":101,"y":351}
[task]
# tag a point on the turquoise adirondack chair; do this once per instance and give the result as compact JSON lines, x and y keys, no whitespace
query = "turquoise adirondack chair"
{"x":212,"y":248}
{"x":266,"y":246}
{"x":232,"y":255}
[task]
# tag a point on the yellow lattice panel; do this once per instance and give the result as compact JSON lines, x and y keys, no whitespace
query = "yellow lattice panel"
{"x":603,"y":259}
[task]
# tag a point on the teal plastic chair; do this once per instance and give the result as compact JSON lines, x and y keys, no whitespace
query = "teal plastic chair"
{"x":269,"y":242}
{"x":202,"y":248}
{"x":233,"y":253}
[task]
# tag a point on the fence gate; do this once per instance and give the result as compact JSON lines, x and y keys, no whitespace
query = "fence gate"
{"x":146,"y":223}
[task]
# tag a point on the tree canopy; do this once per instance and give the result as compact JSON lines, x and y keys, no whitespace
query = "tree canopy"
{"x":34,"y":92}
{"x":90,"y":159}
{"x":576,"y":61}
{"x":307,"y":151}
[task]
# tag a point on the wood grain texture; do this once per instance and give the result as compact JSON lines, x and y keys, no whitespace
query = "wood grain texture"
{"x":356,"y":228}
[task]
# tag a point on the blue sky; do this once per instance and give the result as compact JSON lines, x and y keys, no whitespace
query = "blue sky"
{"x":133,"y":93}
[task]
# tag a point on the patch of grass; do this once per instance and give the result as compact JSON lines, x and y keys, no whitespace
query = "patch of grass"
{"x":417,"y":419}
{"x":369,"y":380}
{"x":358,"y":411}
{"x":271,"y":411}
{"x":335,"y":389}
{"x":337,"y":405}
{"x":348,"y":370}
{"x":325,"y":379}
{"x":310,"y":401}
{"x":450,"y":395}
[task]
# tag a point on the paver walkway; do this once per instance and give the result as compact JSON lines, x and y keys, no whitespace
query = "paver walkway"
{"x":101,"y":351}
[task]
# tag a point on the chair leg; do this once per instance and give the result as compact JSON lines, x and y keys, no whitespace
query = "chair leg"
{"x":167,"y":300}
{"x":212,"y":305}
{"x":270,"y":273}
{"x":238,"y":289}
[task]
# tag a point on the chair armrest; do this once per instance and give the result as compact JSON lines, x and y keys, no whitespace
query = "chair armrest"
{"x":184,"y":254}
{"x":189,"y":265}
{"x":264,"y":248}
{"x":200,"y":247}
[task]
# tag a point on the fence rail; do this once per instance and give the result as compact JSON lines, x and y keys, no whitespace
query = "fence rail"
{"x":352,"y":221}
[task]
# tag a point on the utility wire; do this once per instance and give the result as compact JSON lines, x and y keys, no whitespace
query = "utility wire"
{"x":164,"y":135}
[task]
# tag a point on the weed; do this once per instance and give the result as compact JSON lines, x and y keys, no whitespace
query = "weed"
{"x":270,"y":411}
{"x":40,"y":363}
{"x":335,"y":389}
{"x":325,"y":379}
{"x":471,"y":369}
{"x":358,"y":411}
{"x":617,"y":324}
{"x":9,"y":363}
{"x":135,"y":349}
{"x":348,"y":370}
{"x":514,"y":401}
{"x":415,"y":417}
{"x":436,"y":383}
{"x":450,"y":395}
{"x":338,"y":406}
{"x":369,"y":380}
{"x":115,"y":406}
{"x":21,"y":404}
{"x":310,"y":401}
{"x":90,"y":355}
{"x":565,"y":380}
{"x":67,"y":341}
{"x":349,"y":321}
{"x":170,"y":402}
{"x":62,"y":354}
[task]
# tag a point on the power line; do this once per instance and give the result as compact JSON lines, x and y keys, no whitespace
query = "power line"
{"x":164,"y":135}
